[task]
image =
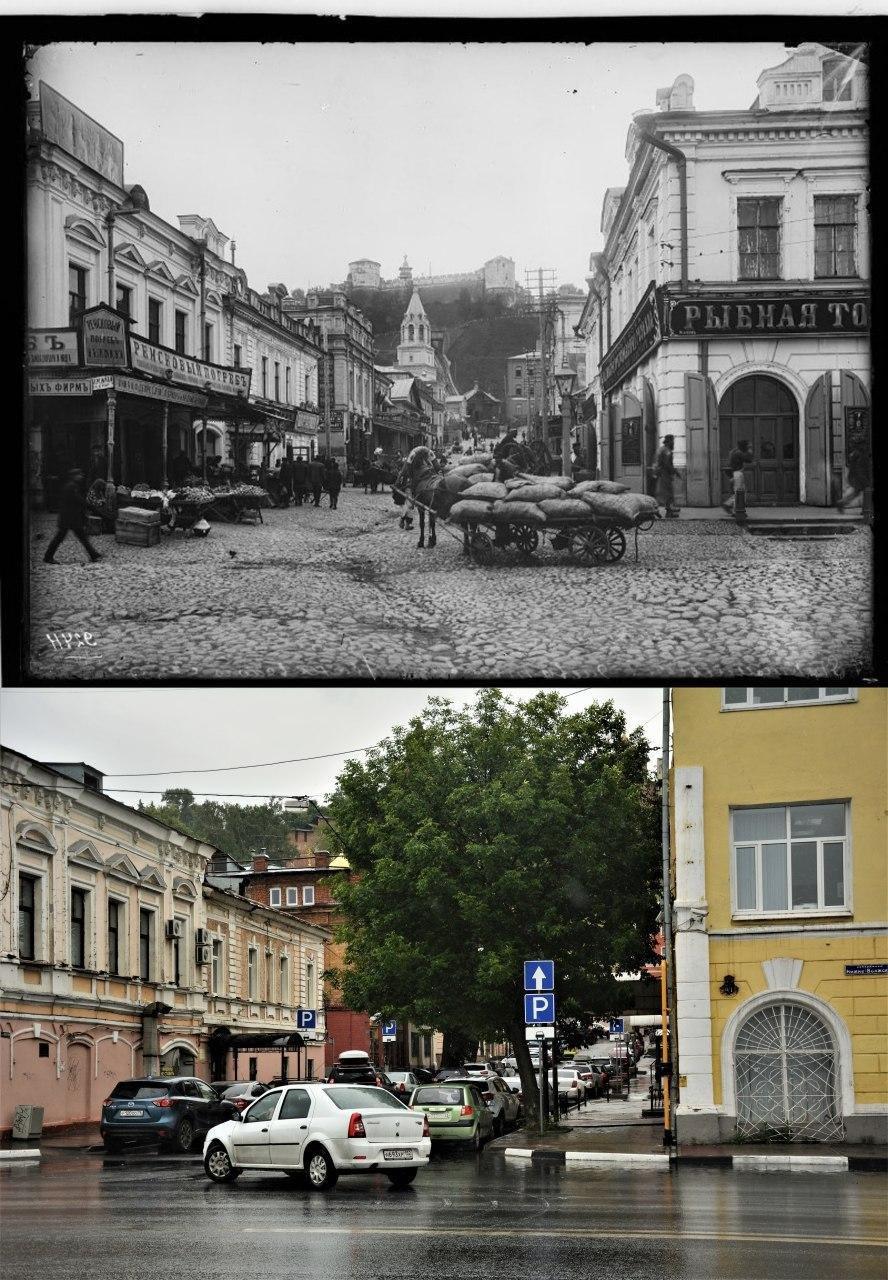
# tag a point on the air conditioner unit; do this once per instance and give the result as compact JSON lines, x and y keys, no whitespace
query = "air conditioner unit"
{"x":174,"y":928}
{"x":202,"y":937}
{"x":204,"y":954}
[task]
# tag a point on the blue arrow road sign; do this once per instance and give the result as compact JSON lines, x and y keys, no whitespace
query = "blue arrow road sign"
{"x":307,"y":1019}
{"x":616,"y":1026}
{"x":539,"y":1008}
{"x":539,"y":975}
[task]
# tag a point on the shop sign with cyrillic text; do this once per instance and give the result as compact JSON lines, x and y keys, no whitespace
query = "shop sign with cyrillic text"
{"x":60,"y":386}
{"x":157,"y":391}
{"x":104,"y":338}
{"x":161,"y":362}
{"x":636,"y":341}
{"x":52,"y":348}
{"x":728,"y":317}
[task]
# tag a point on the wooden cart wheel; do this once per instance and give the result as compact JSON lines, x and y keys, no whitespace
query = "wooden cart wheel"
{"x":481,"y":548}
{"x":525,"y":537}
{"x":615,"y":542}
{"x":589,"y":546}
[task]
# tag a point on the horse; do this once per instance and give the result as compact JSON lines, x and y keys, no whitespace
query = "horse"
{"x":420,"y":479}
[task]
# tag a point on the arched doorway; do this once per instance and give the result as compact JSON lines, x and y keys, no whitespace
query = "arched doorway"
{"x":763,"y":411}
{"x":785,"y":1067}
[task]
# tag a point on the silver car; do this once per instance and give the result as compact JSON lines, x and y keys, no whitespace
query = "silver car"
{"x":503,"y":1105}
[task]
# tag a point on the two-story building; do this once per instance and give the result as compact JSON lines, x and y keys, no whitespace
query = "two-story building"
{"x":145,"y":344}
{"x":731,"y":299}
{"x":120,"y":956}
{"x":780,"y":846}
{"x":101,"y":925}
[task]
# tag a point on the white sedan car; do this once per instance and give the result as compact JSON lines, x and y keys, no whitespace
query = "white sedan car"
{"x":321,"y":1130}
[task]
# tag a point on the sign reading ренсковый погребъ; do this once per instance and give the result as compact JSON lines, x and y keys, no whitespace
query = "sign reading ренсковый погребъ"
{"x":726,"y":317}
{"x":635,"y":341}
{"x":147,"y":357}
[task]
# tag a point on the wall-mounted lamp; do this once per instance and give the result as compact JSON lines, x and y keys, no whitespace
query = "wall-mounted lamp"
{"x":729,"y":986}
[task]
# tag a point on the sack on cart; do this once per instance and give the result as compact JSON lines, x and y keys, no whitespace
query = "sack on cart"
{"x":471,"y":512}
{"x":518,"y":512}
{"x":565,"y":508}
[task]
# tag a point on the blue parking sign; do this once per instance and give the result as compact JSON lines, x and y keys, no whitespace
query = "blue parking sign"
{"x":307,"y":1019}
{"x":539,"y":1008}
{"x":616,"y":1027}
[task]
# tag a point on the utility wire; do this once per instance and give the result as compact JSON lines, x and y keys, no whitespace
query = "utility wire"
{"x":269,"y":764}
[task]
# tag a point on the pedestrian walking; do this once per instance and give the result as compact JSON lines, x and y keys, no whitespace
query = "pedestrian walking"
{"x":300,"y":481}
{"x":316,"y":480}
{"x":860,"y":473}
{"x":665,"y":474}
{"x":72,"y":518}
{"x":334,"y":482}
{"x":286,"y":477}
{"x":739,"y":457}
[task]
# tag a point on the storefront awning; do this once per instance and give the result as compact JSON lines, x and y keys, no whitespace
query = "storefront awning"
{"x":262,"y":1040}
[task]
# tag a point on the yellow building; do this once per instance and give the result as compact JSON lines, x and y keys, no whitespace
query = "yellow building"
{"x":780,"y":847}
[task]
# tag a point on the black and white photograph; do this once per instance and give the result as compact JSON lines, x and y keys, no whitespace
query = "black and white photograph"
{"x":405,"y":360}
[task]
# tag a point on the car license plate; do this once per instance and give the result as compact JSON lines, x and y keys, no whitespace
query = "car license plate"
{"x":399,"y":1153}
{"x":131,"y":1115}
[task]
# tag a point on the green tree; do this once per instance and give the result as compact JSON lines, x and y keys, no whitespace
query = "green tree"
{"x":238,"y":830}
{"x":487,"y":836}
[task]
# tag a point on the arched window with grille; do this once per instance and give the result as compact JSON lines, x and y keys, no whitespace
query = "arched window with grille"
{"x":785,"y":1063}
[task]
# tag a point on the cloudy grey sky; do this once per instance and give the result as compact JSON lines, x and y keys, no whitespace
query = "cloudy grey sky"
{"x":312,"y":155}
{"x":137,"y":731}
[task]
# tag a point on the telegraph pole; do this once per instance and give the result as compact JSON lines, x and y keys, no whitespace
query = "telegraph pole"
{"x":326,"y":396}
{"x":543,"y":280}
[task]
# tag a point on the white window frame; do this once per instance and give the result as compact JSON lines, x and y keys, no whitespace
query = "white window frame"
{"x":306,"y":900}
{"x":252,"y":972}
{"x":823,"y":699}
{"x":310,"y":988}
{"x":274,"y":897}
{"x":284,"y":978}
{"x":269,"y":977}
{"x":794,"y":913}
{"x":292,"y":895}
{"x":41,"y":879}
{"x":151,"y":910}
{"x":88,"y":925}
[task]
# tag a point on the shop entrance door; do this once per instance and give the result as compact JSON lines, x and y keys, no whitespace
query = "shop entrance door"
{"x":762,"y":410}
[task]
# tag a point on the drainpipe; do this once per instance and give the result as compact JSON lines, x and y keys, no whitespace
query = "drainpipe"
{"x":151,"y":1013}
{"x":681,"y":161}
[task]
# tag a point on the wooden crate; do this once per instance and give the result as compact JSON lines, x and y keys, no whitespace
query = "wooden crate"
{"x":138,"y":535}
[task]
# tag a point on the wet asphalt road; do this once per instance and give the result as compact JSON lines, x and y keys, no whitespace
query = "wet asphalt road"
{"x":464,"y":1217}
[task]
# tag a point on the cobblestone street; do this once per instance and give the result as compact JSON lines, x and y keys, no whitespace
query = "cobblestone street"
{"x":319,"y":594}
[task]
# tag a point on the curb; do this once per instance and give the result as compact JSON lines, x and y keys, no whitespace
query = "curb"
{"x":27,"y":1153}
{"x":749,"y":1163}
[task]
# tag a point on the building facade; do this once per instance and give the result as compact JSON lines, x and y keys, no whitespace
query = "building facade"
{"x":119,"y":960}
{"x":345,"y":383}
{"x":731,"y":298}
{"x":781,"y":921}
{"x":133,"y":336}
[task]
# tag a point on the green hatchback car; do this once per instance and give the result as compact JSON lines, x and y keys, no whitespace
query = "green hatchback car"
{"x":456,"y":1112}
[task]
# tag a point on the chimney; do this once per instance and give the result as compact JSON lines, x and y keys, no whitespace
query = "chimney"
{"x":260,"y":861}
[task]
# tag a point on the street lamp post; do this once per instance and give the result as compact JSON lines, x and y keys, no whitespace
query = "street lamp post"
{"x":564,"y":379}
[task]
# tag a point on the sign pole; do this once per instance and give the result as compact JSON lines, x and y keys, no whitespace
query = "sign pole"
{"x":112,"y":412}
{"x":543,"y":1086}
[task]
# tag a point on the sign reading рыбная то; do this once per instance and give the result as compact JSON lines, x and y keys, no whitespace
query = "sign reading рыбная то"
{"x":725,"y":317}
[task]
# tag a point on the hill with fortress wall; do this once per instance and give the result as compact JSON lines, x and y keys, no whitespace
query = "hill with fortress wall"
{"x":473,"y":314}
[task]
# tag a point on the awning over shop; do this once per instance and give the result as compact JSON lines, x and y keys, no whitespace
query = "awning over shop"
{"x":263,"y":1040}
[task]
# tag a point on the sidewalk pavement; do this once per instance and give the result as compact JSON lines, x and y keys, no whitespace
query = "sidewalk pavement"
{"x":615,"y":1133}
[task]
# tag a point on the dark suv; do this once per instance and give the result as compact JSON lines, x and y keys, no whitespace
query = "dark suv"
{"x":174,"y":1111}
{"x":355,"y":1067}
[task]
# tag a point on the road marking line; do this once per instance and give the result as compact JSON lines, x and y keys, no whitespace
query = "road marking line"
{"x":575,"y":1233}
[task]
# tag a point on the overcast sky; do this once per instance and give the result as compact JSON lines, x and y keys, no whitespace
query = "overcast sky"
{"x":312,"y":155}
{"x":123,"y":731}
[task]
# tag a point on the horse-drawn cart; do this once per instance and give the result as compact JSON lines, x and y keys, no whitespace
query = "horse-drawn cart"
{"x":593,"y":541}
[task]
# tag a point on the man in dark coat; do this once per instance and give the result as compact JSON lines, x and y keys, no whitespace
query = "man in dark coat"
{"x":72,"y":518}
{"x":316,"y":480}
{"x":287,"y":479}
{"x":666,"y":473}
{"x":300,"y":480}
{"x":334,"y":482}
